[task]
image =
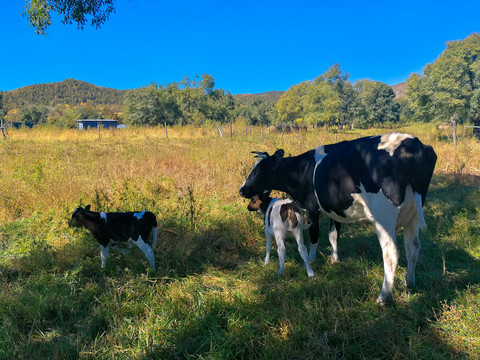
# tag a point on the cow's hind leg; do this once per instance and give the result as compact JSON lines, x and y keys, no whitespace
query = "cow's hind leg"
{"x":412,"y":248}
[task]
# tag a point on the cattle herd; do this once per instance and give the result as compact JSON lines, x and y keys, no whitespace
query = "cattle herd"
{"x":380,"y":179}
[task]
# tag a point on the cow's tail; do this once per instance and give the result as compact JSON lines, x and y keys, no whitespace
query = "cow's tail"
{"x":420,"y":218}
{"x":426,"y":167}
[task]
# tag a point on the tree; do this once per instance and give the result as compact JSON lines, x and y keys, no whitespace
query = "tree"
{"x":38,"y":12}
{"x":339,"y":83}
{"x":448,"y":88}
{"x":377,"y":101}
{"x":33,"y":114}
{"x":2,"y":108}
{"x":151,"y":105}
{"x":322,"y":104}
{"x":290,"y":106}
{"x":257,"y":112}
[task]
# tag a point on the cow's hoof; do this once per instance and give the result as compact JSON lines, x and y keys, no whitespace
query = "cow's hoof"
{"x":385,"y":300}
{"x":409,"y":284}
{"x":333,"y":260}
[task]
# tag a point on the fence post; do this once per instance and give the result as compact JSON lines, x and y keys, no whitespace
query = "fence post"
{"x":3,"y":129}
{"x":219,"y":129}
{"x":166,"y":131}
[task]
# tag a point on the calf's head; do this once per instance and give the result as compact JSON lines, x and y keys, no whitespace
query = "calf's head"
{"x":261,"y":178}
{"x":81,"y":217}
{"x":256,"y":201}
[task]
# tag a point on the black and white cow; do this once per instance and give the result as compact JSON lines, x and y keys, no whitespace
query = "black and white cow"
{"x":380,"y":179}
{"x":281,"y":217}
{"x":110,"y":228}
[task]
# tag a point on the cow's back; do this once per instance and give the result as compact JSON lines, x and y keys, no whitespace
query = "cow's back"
{"x":387,"y":164}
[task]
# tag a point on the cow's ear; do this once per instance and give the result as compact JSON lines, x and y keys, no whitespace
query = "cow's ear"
{"x":279,"y":152}
{"x":260,"y":154}
{"x":87,"y":207}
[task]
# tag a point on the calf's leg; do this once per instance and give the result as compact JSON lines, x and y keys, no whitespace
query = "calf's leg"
{"x":279,"y":238}
{"x":269,"y":238}
{"x":302,"y":249}
{"x":147,"y":250}
{"x":104,"y":251}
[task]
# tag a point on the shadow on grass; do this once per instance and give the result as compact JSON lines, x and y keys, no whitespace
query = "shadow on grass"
{"x":334,"y":316}
{"x":71,"y":304}
{"x":55,"y":300}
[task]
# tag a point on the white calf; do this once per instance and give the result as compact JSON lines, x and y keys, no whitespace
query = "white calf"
{"x":281,"y":218}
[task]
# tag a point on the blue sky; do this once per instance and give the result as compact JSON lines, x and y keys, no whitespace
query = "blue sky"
{"x":247,"y":46}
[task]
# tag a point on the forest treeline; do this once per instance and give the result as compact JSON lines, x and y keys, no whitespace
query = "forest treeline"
{"x":447,"y":89}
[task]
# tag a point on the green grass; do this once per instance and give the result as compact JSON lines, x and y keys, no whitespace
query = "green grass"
{"x":211,"y":297}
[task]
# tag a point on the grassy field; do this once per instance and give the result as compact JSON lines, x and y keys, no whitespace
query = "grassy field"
{"x":211,"y":297}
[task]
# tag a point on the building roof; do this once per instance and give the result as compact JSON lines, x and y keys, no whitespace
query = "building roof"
{"x":97,"y":120}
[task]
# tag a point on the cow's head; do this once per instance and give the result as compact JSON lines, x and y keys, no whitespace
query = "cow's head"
{"x":80,"y":217}
{"x":261,"y":178}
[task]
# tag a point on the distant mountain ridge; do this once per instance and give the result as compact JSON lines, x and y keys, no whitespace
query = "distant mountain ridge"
{"x":269,"y":96}
{"x":75,"y":92}
{"x":400,"y":90}
{"x":72,"y":92}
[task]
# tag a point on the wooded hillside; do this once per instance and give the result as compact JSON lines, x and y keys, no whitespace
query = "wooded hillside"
{"x":70,"y":91}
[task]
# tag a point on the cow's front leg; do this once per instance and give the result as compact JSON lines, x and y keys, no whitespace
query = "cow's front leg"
{"x":314,"y":232}
{"x":333,"y":234}
{"x":386,"y":236}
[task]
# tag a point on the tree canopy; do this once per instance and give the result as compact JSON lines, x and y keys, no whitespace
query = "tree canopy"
{"x":449,"y":87}
{"x":39,"y":12}
{"x":193,"y":101}
{"x":331,"y":99}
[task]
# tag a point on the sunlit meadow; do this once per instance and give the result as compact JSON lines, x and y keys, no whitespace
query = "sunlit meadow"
{"x":211,"y":297}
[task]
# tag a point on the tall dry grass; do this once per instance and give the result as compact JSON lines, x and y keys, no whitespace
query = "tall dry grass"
{"x":211,"y":297}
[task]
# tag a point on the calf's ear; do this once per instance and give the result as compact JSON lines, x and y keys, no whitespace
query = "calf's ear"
{"x":87,"y":207}
{"x":279,"y":152}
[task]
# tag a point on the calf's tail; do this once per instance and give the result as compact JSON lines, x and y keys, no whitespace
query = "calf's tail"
{"x":155,"y":237}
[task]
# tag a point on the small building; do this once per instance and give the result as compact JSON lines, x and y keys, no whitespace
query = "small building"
{"x":476,"y":128}
{"x":20,"y":124}
{"x":94,"y":123}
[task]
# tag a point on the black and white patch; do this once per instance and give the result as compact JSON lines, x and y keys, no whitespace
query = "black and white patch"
{"x":110,"y":228}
